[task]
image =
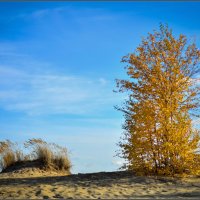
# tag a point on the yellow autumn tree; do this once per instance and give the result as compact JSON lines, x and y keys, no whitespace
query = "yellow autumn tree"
{"x":163,"y":98}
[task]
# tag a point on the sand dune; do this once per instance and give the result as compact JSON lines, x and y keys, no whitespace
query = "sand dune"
{"x":97,"y":185}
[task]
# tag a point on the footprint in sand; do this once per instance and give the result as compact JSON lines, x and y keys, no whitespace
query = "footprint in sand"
{"x":57,"y":196}
{"x":164,"y":190}
{"x":38,"y":193}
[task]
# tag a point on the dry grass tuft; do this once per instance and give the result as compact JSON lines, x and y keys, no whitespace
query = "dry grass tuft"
{"x":9,"y":159}
{"x":50,"y":155}
{"x":62,"y":163}
{"x":45,"y":155}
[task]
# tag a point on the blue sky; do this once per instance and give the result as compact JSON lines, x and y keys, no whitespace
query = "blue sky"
{"x":58,"y":65}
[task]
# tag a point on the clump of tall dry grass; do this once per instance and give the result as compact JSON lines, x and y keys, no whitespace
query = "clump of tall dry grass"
{"x":8,"y":159}
{"x":9,"y":155}
{"x":50,"y":155}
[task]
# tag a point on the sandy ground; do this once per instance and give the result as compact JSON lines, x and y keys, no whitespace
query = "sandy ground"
{"x":110,"y":185}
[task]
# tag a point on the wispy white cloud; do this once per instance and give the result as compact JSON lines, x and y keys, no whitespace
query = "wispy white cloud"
{"x":86,"y":14}
{"x":7,"y":71}
{"x":103,"y":81}
{"x":40,"y":13}
{"x":52,"y":93}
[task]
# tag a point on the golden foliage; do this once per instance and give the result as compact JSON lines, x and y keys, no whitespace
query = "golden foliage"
{"x":163,"y":94}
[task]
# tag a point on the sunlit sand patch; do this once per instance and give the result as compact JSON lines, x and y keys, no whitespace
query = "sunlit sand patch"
{"x":98,"y":185}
